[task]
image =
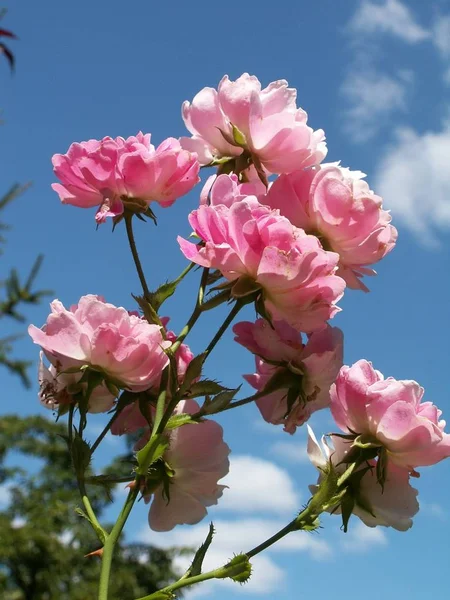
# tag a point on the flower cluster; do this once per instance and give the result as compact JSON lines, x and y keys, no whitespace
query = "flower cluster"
{"x":275,"y":229}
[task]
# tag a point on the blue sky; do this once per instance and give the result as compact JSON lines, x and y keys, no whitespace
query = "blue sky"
{"x":376,"y":77}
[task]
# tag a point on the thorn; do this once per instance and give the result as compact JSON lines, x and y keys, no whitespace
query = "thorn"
{"x":98,"y":552}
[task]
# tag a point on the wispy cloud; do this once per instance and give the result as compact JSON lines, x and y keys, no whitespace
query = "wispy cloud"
{"x":392,"y":17}
{"x":361,"y":538}
{"x":373,"y":96}
{"x":414,"y":179}
{"x":290,"y":451}
{"x":260,"y":500}
{"x":441,"y":41}
{"x":267,"y":574}
{"x":257,"y":485}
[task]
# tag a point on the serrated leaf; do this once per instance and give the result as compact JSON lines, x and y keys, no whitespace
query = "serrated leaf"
{"x":204,"y":388}
{"x":347,"y":506}
{"x":180,"y":420}
{"x":219,"y":402}
{"x":101,"y":534}
{"x":193,"y":372}
{"x":153,"y":449}
{"x":162,"y":293}
{"x":149,"y":312}
{"x":81,"y":513}
{"x":197,"y":563}
{"x":216,"y":300}
{"x":80,"y":452}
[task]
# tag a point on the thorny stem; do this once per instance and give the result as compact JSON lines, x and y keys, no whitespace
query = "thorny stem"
{"x":234,"y":311}
{"x":111,"y":540}
{"x":195,"y":313}
{"x":97,"y":442}
{"x":305,"y":520}
{"x":129,"y":227}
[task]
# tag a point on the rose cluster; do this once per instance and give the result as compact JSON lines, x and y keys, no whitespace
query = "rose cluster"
{"x":277,"y":229}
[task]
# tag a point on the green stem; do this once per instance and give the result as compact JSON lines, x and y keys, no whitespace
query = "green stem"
{"x":236,"y":404}
{"x":182,"y":583}
{"x":111,"y":540}
{"x":184,"y":272}
{"x":195,"y":313}
{"x":129,"y":227}
{"x":101,"y":533}
{"x":70,"y":424}
{"x":234,"y":311}
{"x":304,"y":519}
{"x":161,"y":403}
{"x":105,"y":431}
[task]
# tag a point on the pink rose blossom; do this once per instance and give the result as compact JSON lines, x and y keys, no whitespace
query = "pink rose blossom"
{"x":309,"y":369}
{"x":392,"y":506}
{"x":113,"y":172}
{"x":226,"y":189}
{"x":198,"y":457}
{"x":296,"y":276}
{"x":126,"y":348}
{"x":274,"y":130}
{"x":131,"y":418}
{"x":389,"y":413}
{"x":335,"y":204}
{"x":57,"y":390}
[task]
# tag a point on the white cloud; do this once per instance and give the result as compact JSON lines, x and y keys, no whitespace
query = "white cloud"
{"x":441,"y":36}
{"x":413,"y":177}
{"x":372,"y":98}
{"x":5,"y":495}
{"x":362,"y":538}
{"x":290,"y":451}
{"x":434,"y":509}
{"x":391,"y":17}
{"x":257,"y":485}
{"x":441,"y":41}
{"x":237,"y":536}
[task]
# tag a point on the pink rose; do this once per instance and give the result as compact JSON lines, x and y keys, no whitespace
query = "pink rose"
{"x":112,"y":173}
{"x":296,"y":276}
{"x":335,"y":204}
{"x":271,"y":127}
{"x":57,"y":390}
{"x":126,"y":348}
{"x":392,"y":506}
{"x":307,"y":370}
{"x":389,"y":413}
{"x":226,"y":189}
{"x":198,"y":459}
{"x":131,"y":418}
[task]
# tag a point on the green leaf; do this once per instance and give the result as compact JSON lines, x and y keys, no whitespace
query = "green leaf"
{"x":245,"y":286}
{"x":162,"y":293}
{"x":149,"y":312}
{"x":216,"y":300}
{"x":219,"y":402}
{"x":203,"y":388}
{"x":153,"y":449}
{"x":197,"y":563}
{"x":81,"y":454}
{"x":180,"y":420}
{"x":193,"y":371}
{"x":347,"y":506}
{"x":238,"y":136}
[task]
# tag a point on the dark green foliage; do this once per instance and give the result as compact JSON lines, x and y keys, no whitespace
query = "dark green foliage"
{"x":44,"y":539}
